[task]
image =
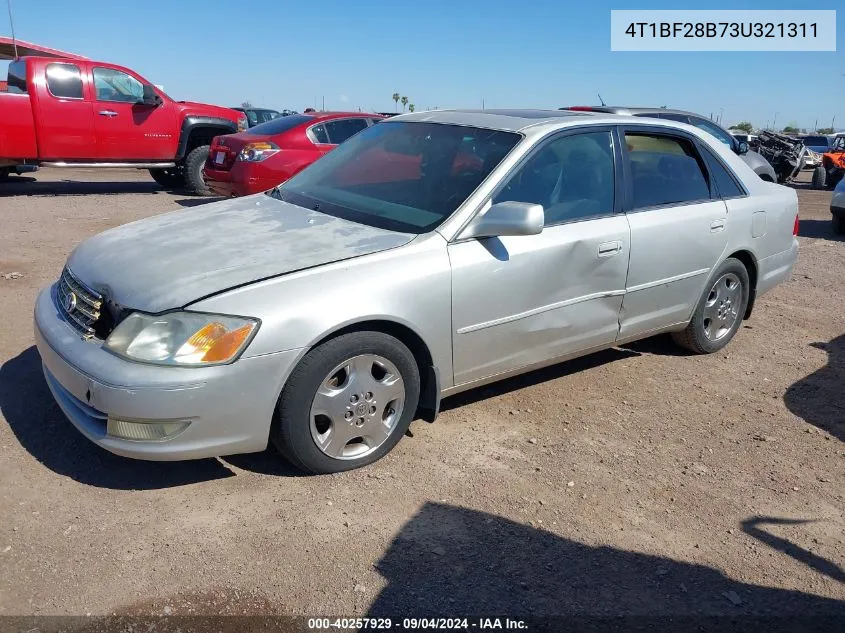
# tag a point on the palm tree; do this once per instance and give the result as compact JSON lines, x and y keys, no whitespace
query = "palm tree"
{"x":396,"y":101}
{"x":404,"y":101}
{"x":411,"y":107}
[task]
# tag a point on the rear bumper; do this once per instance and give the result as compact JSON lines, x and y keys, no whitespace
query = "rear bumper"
{"x":242,"y":179}
{"x":229,"y":407}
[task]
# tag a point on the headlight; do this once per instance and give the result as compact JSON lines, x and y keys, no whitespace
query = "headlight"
{"x":256,"y":152}
{"x":181,"y":338}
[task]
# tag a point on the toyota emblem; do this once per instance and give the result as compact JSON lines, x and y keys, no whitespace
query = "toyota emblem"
{"x":69,"y":302}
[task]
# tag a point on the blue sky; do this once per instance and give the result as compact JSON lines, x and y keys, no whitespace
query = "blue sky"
{"x":445,"y":53}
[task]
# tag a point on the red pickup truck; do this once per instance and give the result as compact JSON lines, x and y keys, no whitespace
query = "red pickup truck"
{"x":81,"y":113}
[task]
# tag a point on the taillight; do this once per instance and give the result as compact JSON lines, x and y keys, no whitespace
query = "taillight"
{"x":256,"y":152}
{"x":795,"y":227}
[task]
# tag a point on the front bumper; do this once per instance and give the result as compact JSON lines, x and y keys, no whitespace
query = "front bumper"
{"x":230,"y":407}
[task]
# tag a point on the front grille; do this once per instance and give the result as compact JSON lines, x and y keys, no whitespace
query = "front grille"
{"x":79,"y":305}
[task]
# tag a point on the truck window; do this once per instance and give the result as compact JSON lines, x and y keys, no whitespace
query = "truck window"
{"x":17,"y":77}
{"x":64,"y":81}
{"x":114,"y":85}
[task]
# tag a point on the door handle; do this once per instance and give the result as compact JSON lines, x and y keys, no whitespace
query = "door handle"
{"x":717,"y":225}
{"x":108,"y":113}
{"x":608,"y":249}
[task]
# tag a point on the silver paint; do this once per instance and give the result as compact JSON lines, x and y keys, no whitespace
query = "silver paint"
{"x":485,"y":308}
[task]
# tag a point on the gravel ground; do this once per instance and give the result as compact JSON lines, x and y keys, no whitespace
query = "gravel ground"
{"x":636,"y":481}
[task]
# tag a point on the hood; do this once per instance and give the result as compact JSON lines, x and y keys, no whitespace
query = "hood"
{"x":205,"y":109}
{"x":174,"y":259}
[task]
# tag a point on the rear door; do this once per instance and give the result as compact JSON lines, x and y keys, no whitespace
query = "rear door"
{"x":678,"y":228}
{"x":64,"y":113}
{"x":126,"y":128}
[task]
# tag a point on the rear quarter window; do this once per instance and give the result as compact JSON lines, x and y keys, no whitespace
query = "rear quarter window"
{"x":17,"y":77}
{"x":665,"y":170}
{"x":64,"y":81}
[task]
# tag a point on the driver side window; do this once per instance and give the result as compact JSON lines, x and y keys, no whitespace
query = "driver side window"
{"x":572,"y":177}
{"x":114,"y":85}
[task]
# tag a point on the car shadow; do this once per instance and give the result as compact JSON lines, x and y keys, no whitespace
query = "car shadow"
{"x":42,"y":429}
{"x":536,"y":377}
{"x":820,"y":397}
{"x":819,"y":229}
{"x":198,"y":201}
{"x":449,"y":561}
{"x":34,"y":187}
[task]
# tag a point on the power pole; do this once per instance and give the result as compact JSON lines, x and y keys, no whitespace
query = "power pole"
{"x":324,"y":104}
{"x":482,"y":104}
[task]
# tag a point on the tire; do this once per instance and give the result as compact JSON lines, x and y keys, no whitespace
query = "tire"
{"x":192,"y":170}
{"x":839,"y":223}
{"x":321,"y":443}
{"x":4,"y":173}
{"x":172,"y":178}
{"x":819,"y":177}
{"x":706,"y":332}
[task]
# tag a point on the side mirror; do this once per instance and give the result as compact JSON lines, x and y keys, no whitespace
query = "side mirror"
{"x":150,"y":97}
{"x":507,"y":218}
{"x":742,"y":148}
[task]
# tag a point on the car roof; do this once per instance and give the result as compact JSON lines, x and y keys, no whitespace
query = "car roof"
{"x":505,"y":120}
{"x":638,"y":110}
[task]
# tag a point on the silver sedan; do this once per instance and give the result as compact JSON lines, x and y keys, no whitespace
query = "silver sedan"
{"x":430,"y":254}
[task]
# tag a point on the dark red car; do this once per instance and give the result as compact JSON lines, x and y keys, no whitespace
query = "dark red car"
{"x":268,"y":154}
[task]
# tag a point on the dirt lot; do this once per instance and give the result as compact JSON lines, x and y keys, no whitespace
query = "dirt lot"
{"x":636,"y":481}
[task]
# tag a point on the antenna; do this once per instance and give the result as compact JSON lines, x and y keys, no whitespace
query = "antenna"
{"x":12,"y":25}
{"x":601,"y":100}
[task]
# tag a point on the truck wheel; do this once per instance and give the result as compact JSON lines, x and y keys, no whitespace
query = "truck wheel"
{"x":819,"y":177}
{"x":347,"y":403}
{"x":168,"y":178}
{"x":193,"y":171}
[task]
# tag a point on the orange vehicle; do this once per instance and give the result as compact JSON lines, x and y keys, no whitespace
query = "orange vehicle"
{"x":832,"y":167}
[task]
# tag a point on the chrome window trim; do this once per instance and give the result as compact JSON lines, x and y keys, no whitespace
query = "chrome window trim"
{"x":314,"y":141}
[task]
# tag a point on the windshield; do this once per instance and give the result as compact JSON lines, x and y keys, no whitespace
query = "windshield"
{"x":815,"y":141}
{"x":400,"y":176}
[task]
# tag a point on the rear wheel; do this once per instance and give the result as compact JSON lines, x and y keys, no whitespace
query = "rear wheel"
{"x":720,"y":310}
{"x":819,"y":177}
{"x":347,"y":403}
{"x":169,"y":178}
{"x":192,"y":170}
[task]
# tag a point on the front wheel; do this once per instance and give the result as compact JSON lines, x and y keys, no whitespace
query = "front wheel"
{"x":193,"y":171}
{"x":720,"y":310}
{"x":347,"y":403}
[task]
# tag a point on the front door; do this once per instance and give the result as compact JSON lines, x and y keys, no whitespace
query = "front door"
{"x":678,"y":230}
{"x":520,"y":301}
{"x":125,"y":128}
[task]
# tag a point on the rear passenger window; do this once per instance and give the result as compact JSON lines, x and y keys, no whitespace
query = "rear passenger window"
{"x":572,"y":177}
{"x":665,"y":170}
{"x":342,"y":129}
{"x":725,"y":182}
{"x":64,"y":81}
{"x":319,"y":134}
